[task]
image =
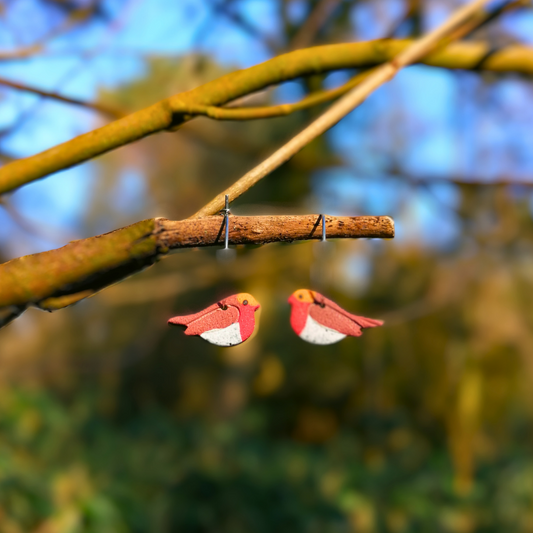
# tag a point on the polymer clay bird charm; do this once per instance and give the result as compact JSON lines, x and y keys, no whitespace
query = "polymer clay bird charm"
{"x":226,"y":323}
{"x":320,"y":321}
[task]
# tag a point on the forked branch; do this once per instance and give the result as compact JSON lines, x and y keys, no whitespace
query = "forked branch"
{"x":57,"y":278}
{"x":174,"y":111}
{"x":356,"y":96}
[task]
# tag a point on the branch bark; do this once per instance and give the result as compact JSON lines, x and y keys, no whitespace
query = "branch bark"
{"x":272,"y":111}
{"x":57,"y":278}
{"x":174,"y":111}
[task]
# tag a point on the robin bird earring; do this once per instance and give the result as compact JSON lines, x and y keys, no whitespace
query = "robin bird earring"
{"x":226,"y":323}
{"x":318,"y":320}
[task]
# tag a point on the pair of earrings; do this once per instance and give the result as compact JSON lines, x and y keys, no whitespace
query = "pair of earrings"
{"x":314,"y":318}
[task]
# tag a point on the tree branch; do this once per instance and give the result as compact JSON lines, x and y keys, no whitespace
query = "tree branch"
{"x":254,"y":113}
{"x":346,"y":104}
{"x":207,"y":231}
{"x":174,"y":111}
{"x":320,"y":97}
{"x":57,"y":278}
{"x":101,"y":108}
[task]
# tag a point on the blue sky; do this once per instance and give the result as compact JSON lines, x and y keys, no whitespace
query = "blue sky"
{"x":420,"y":120}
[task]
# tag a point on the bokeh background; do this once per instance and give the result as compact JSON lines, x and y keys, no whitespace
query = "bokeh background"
{"x":112,"y":422}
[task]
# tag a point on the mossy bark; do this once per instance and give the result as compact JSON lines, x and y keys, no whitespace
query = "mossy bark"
{"x":174,"y":111}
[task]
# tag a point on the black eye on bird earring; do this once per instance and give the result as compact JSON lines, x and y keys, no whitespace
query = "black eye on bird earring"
{"x":245,"y":302}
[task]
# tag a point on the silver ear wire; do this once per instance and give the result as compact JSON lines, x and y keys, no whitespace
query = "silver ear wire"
{"x":226,"y":212}
{"x":226,"y":254}
{"x":323,"y":228}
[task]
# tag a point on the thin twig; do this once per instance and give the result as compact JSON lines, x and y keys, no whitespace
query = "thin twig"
{"x":113,"y":28}
{"x":316,"y":20}
{"x":207,"y":231}
{"x":101,"y":108}
{"x":413,"y":6}
{"x":76,"y":17}
{"x":484,"y":18}
{"x":280,"y":110}
{"x":345,"y":105}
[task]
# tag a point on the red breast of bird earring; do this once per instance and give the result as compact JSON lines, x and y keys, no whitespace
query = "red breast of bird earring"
{"x":226,"y":323}
{"x":321,"y":321}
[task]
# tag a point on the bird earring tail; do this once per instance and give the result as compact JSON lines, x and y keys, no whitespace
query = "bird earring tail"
{"x":318,"y":320}
{"x":226,"y":323}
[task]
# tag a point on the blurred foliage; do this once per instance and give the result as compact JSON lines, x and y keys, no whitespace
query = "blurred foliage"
{"x":112,"y":422}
